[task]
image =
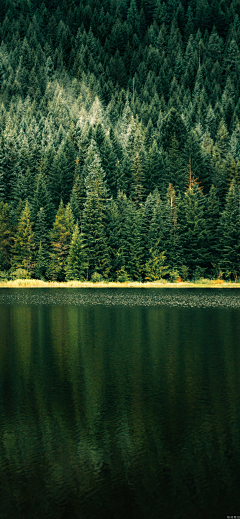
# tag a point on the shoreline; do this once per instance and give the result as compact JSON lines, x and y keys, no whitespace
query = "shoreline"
{"x":36,"y":283}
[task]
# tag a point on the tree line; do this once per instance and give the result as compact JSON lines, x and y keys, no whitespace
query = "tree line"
{"x":120,"y":139}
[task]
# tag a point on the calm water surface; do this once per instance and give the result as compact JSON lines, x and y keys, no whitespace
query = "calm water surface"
{"x":119,"y":403}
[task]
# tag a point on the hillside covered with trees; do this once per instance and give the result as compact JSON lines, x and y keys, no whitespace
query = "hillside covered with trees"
{"x":120,"y":139}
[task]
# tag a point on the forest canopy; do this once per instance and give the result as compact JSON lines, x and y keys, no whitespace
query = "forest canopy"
{"x":119,"y":139}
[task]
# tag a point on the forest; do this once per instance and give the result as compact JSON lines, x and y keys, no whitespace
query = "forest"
{"x":120,"y":140}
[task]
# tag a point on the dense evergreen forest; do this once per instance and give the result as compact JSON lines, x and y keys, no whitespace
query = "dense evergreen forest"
{"x":120,"y":139}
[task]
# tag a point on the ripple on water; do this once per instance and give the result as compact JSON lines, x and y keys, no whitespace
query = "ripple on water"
{"x":170,"y":297}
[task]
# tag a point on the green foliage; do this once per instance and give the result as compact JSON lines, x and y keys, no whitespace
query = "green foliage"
{"x":23,"y":247}
{"x":4,"y":275}
{"x":41,"y":264}
{"x":94,"y":215}
{"x":60,"y":239}
{"x":20,"y":274}
{"x":5,"y":236}
{"x":155,"y":268}
{"x":96,"y":277}
{"x":122,"y":275}
{"x":229,"y":234}
{"x":82,"y":120}
{"x":193,"y":227}
{"x":173,"y":275}
{"x":76,"y":265}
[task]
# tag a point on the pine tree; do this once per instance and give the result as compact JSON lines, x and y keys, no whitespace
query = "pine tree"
{"x":131,"y":243}
{"x":94,"y":214}
{"x":60,"y":178}
{"x":23,"y":248}
{"x":175,"y":166}
{"x":5,"y":236}
{"x":138,"y":178}
{"x":155,"y":268}
{"x":193,"y":229}
{"x":41,"y":238}
{"x":212,"y":221}
{"x":76,"y":265}
{"x":2,"y":175}
{"x":60,"y":239}
{"x":41,"y":266}
{"x":42,"y":199}
{"x":194,"y":159}
{"x":229,"y":234}
{"x":112,"y":233}
{"x":173,"y":125}
{"x":170,"y":233}
{"x":152,"y":229}
{"x":154,"y":168}
{"x":219,"y":160}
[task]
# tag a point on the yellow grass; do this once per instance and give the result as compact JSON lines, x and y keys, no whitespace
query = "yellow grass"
{"x":36,"y":283}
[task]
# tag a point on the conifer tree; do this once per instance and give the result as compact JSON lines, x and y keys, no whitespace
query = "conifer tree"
{"x":41,"y":238}
{"x":42,"y":199}
{"x":212,"y":222}
{"x":2,"y":176}
{"x":173,"y":125}
{"x":76,"y":264}
{"x":60,"y":178}
{"x":41,"y":266}
{"x":170,"y":233}
{"x":193,"y":228}
{"x":152,"y":220}
{"x":229,"y":234}
{"x":112,"y":233}
{"x":131,"y":243}
{"x":175,"y":166}
{"x":94,"y":214}
{"x":41,"y":234}
{"x":60,"y":239}
{"x":154,"y":168}
{"x":155,"y":268}
{"x":23,"y":247}
{"x":5,"y":236}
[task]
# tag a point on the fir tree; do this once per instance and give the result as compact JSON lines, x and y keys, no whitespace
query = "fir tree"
{"x":155,"y":268}
{"x":175,"y":166}
{"x":229,"y":234}
{"x":60,"y":239}
{"x":212,"y":222}
{"x":23,"y":247}
{"x":94,"y":214}
{"x":193,"y":228}
{"x":170,"y":232}
{"x":5,"y":236}
{"x":76,"y":264}
{"x":41,"y":266}
{"x":42,"y":199}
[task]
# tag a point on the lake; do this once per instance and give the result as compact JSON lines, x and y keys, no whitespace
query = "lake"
{"x":119,"y":403}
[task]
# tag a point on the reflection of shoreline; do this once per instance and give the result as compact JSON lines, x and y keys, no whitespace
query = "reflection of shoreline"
{"x":36,"y":283}
{"x":105,"y":403}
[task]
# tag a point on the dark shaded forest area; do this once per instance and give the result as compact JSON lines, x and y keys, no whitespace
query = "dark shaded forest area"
{"x":120,"y":139}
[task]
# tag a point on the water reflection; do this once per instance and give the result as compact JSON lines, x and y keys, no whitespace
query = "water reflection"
{"x":112,"y":411}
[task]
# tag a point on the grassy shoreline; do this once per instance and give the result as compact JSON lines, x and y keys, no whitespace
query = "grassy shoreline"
{"x":36,"y":283}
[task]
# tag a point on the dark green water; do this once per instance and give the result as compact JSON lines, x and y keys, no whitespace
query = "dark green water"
{"x":119,"y":403}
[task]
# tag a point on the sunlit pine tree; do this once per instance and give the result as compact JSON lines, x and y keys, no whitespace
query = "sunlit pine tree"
{"x":94,"y":216}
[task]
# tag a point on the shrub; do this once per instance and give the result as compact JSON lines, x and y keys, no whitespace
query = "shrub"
{"x":20,"y":274}
{"x":122,"y":275}
{"x":4,"y":275}
{"x":96,"y":278}
{"x":174,"y":275}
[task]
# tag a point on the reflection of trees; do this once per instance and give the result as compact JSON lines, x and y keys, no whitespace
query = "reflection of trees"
{"x":100,"y":403}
